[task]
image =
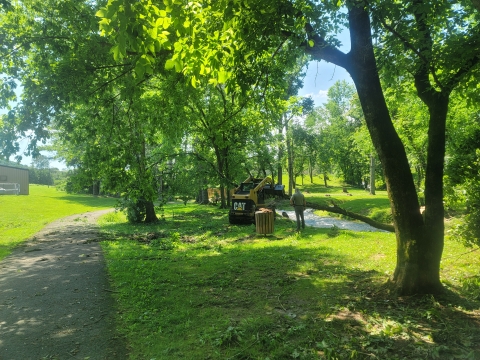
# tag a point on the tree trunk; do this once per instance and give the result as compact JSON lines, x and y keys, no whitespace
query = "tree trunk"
{"x":147,"y":178}
{"x":150,"y":216}
{"x":221,"y":155}
{"x":96,"y":187}
{"x":202,"y":197}
{"x":372,"y":175}
{"x":223,"y":200}
{"x":418,"y":252}
{"x":417,"y":257}
{"x":289,"y":162}
{"x":280,"y":156}
{"x":431,"y":248}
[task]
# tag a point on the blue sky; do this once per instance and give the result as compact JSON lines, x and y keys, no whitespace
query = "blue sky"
{"x":320,"y":76}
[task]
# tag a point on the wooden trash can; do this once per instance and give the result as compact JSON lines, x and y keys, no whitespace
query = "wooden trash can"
{"x":264,"y":220}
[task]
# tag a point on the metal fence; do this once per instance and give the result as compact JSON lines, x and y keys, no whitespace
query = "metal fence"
{"x":9,"y":188}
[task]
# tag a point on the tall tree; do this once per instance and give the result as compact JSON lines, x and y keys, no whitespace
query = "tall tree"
{"x":440,"y":57}
{"x":53,"y":49}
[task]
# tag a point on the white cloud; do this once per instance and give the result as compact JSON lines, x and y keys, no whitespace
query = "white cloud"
{"x":319,"y":98}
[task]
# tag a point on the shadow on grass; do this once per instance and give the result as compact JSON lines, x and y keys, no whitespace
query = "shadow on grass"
{"x":90,"y":200}
{"x":225,"y":293}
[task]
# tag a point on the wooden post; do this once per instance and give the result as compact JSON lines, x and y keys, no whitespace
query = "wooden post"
{"x":264,"y":221}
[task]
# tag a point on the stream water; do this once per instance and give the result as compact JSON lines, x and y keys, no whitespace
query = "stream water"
{"x":327,"y":222}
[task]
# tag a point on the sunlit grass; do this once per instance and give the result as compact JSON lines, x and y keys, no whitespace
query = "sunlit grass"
{"x":195,"y":287}
{"x":24,"y":215}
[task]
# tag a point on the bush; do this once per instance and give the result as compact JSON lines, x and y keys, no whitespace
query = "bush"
{"x":470,"y":230}
{"x":133,"y":209}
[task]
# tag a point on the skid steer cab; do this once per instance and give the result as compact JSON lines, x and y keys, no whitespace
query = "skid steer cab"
{"x":250,"y":196}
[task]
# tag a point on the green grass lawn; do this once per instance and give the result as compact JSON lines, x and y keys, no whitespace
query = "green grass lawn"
{"x":195,"y":287}
{"x":24,"y":215}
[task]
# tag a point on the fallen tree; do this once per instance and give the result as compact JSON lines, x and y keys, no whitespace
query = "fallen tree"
{"x":338,"y":210}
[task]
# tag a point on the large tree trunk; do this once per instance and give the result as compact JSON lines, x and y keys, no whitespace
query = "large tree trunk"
{"x":416,"y":264}
{"x":150,"y":216}
{"x":417,"y":258}
{"x":431,"y":248}
{"x":146,"y":176}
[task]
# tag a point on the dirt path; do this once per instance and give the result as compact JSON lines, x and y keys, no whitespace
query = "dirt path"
{"x":54,"y":298}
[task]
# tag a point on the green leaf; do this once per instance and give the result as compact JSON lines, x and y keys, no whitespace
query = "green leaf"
{"x":139,"y":70}
{"x":117,"y":56}
{"x":151,"y":48}
{"x":222,"y":76}
{"x":166,"y":22}
{"x":100,"y":13}
{"x":169,"y":64}
{"x":153,"y":32}
{"x":178,"y":47}
{"x":121,"y":45}
{"x":311,"y":43}
{"x":194,"y":81}
{"x":178,"y":65}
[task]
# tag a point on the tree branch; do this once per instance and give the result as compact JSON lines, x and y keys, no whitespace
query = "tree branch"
{"x":110,"y":81}
{"x":95,"y":68}
{"x":467,"y":66}
{"x":322,"y":50}
{"x":409,"y":45}
{"x":339,"y":210}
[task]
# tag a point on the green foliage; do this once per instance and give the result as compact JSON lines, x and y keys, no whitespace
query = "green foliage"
{"x":338,"y":144}
{"x":334,"y":231}
{"x":134,"y":209}
{"x":40,"y":176}
{"x":112,"y":217}
{"x":463,"y":170}
{"x":410,"y":117}
{"x":8,"y":135}
{"x":469,"y":230}
{"x":49,"y":45}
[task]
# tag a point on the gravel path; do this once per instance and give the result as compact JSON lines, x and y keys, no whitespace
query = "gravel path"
{"x":55,"y":301}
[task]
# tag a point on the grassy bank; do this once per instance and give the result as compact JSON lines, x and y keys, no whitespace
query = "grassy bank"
{"x":195,"y":287}
{"x":24,"y":215}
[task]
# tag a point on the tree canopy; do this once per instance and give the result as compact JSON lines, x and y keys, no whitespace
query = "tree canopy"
{"x":432,"y":36}
{"x":134,"y":88}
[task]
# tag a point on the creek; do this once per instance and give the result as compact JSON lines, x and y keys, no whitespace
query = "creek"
{"x":314,"y":220}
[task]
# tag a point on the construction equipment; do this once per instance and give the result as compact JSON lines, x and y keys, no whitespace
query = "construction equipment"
{"x":250,"y":196}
